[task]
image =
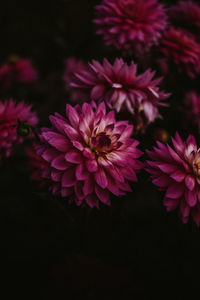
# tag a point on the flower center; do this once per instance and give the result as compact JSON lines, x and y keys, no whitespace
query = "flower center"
{"x":102,"y":140}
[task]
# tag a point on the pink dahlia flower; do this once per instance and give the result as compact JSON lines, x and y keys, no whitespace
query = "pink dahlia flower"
{"x":36,"y":164}
{"x":180,"y":47}
{"x":186,"y":14}
{"x":73,"y":65}
{"x":126,"y":24}
{"x":89,"y":154}
{"x":10,"y":113}
{"x":122,"y":89}
{"x":25,"y":71}
{"x":177,"y":171}
{"x":191,"y":108}
{"x":17,"y":70}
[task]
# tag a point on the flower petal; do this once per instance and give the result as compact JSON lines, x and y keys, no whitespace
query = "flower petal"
{"x":101,"y":178}
{"x":174,"y":191}
{"x":190,"y":182}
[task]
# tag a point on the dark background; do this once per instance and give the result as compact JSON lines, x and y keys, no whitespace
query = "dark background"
{"x":133,"y":249}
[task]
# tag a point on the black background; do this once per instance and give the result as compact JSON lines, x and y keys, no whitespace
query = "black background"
{"x":133,"y":249}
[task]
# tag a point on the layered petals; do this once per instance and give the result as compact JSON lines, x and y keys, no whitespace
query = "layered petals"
{"x":177,"y":172}
{"x":122,"y":89}
{"x":84,"y":155}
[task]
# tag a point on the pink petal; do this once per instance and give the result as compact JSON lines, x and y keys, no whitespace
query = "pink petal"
{"x":102,"y":194}
{"x":116,"y":159}
{"x":171,"y":204}
{"x":72,"y":115}
{"x":78,"y":188}
{"x":78,"y":145}
{"x":71,"y":133}
{"x":49,"y":154}
{"x":190,"y":182}
{"x":116,"y":174}
{"x":161,"y":181}
{"x":191,"y":198}
{"x":81,"y":172}
{"x":56,"y":175}
{"x":57,"y":141}
{"x":92,"y":165}
{"x":88,"y":154}
{"x":97,"y":92}
{"x":74,"y":157}
{"x":167,"y":168}
{"x":178,"y":176}
{"x":104,"y":162}
{"x":58,"y":123}
{"x":129,"y":174}
{"x":88,"y":186}
{"x":174,"y":191}
{"x":68,"y":178}
{"x":60,"y":163}
{"x":92,"y":200}
{"x":184,"y":209}
{"x":101,"y":178}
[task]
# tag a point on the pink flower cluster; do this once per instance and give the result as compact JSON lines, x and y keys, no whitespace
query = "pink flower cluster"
{"x":129,"y":24}
{"x":89,"y":154}
{"x":10,"y":113}
{"x":177,"y":172}
{"x":122,"y":89}
{"x":17,"y":70}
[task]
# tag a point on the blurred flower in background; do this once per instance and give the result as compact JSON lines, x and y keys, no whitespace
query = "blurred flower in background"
{"x":10,"y":114}
{"x":186,"y":14}
{"x":179,"y":47}
{"x":130,"y":24}
{"x":17,"y":70}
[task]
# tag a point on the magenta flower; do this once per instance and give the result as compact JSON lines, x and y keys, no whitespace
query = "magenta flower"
{"x":89,"y":154}
{"x":177,"y":171}
{"x":179,"y":47}
{"x":186,"y":14}
{"x":122,"y":89}
{"x":191,"y":108}
{"x":25,"y":71}
{"x":35,"y":164}
{"x":73,"y":65}
{"x":10,"y":113}
{"x":126,"y":24}
{"x":17,"y":70}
